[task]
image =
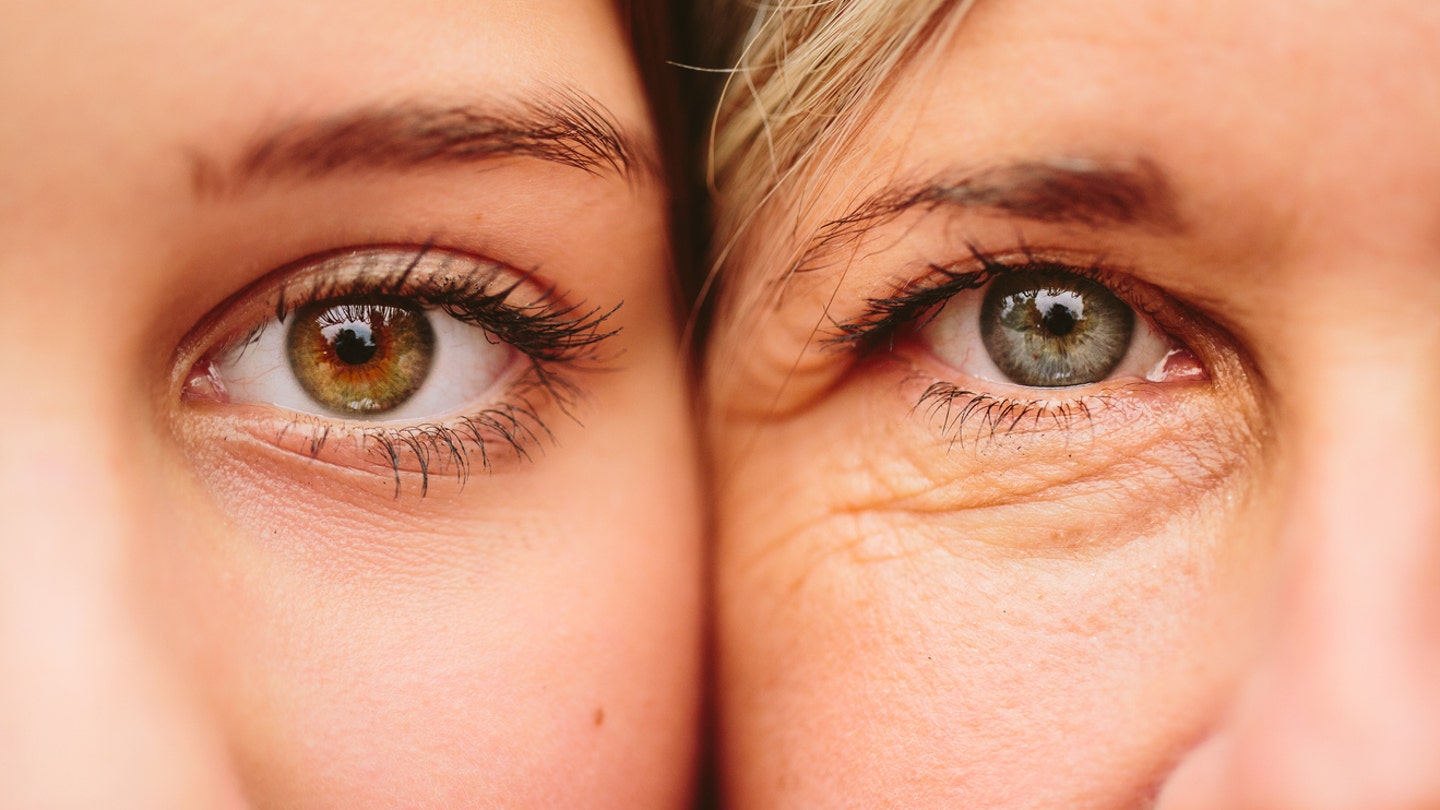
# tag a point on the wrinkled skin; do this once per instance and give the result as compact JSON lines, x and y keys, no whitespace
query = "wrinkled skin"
{"x":1202,"y":591}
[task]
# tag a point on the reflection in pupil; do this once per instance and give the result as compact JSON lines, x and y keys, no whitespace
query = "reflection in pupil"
{"x":1047,"y":327}
{"x":360,"y":357}
{"x":355,"y":345}
{"x":1058,"y":320}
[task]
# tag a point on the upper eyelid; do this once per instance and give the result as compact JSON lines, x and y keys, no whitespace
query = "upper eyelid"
{"x":915,"y":298}
{"x":1093,"y":193}
{"x":275,"y":281}
{"x":391,"y":269}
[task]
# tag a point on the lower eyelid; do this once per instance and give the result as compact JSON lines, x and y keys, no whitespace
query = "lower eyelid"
{"x":403,"y":457}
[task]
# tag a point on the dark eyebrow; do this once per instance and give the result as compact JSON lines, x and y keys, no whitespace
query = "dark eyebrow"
{"x":564,"y":127}
{"x":1062,"y":190}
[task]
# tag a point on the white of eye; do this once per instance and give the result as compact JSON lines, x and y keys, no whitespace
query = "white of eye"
{"x":953,"y":336}
{"x":465,"y":368}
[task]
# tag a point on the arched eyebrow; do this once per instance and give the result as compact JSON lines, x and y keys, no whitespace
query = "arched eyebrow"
{"x":1058,"y":190}
{"x":562,"y":127}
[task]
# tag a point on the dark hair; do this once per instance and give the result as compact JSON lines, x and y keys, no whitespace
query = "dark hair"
{"x":655,"y":30}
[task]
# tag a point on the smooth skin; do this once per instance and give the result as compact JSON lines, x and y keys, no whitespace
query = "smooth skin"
{"x":193,"y":614}
{"x":1202,"y":593}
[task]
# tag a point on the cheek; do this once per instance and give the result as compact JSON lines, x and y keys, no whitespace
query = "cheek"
{"x":532,"y":635}
{"x":997,"y":633}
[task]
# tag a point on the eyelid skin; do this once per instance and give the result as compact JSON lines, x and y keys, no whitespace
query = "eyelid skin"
{"x":925,"y":310}
{"x":549,"y":336}
{"x":963,"y":446}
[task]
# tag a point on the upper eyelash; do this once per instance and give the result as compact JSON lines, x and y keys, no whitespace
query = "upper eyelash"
{"x":914,"y":305}
{"x":546,"y":330}
{"x":549,"y":331}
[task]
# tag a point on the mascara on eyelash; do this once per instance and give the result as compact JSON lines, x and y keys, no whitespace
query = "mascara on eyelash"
{"x":915,"y":304}
{"x":547,"y":329}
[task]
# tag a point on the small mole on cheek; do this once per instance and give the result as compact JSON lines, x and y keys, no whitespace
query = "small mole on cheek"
{"x":599,"y":716}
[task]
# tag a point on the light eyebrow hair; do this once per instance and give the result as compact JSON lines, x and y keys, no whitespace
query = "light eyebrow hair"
{"x":1057,"y":190}
{"x":562,"y":127}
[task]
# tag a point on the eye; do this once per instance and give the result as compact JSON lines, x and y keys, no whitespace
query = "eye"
{"x":404,"y":357}
{"x":360,"y":357}
{"x":1049,"y":327}
{"x":365,"y":358}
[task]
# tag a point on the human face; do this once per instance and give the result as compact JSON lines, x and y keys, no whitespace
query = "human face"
{"x":220,"y":587}
{"x":990,"y":545}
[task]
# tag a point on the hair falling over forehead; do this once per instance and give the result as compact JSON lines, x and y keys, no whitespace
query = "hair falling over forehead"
{"x":807,"y":76}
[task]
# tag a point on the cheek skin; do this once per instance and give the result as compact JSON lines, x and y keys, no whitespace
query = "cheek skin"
{"x":369,"y":650}
{"x":964,"y":612}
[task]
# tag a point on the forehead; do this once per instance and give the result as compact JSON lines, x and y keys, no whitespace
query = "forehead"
{"x":1250,"y":100}
{"x":1263,"y":63}
{"x":1263,"y":102}
{"x":122,"y":82}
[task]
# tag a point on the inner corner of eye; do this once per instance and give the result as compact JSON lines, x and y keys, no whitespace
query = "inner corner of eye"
{"x":204,"y":382}
{"x":1178,"y":364}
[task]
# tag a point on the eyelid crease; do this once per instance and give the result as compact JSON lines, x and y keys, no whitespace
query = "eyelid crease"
{"x":1083,"y":191}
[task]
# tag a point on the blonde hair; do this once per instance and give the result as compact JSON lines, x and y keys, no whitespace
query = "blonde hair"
{"x":807,"y":76}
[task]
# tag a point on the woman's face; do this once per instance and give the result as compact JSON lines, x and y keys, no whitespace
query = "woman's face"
{"x":1089,"y":454}
{"x":345,"y":459}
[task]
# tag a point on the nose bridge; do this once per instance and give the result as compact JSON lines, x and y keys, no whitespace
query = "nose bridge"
{"x":91,"y":712}
{"x":1361,"y":545}
{"x":1343,"y":708}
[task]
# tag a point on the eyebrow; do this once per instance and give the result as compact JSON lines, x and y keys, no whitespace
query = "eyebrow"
{"x":1058,"y":190}
{"x":562,"y":127}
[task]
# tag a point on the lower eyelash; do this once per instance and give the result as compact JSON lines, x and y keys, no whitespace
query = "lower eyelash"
{"x":456,"y":447}
{"x":984,"y":416}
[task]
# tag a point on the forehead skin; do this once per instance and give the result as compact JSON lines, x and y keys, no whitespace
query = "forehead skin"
{"x":1316,"y":89}
{"x":100,"y":67}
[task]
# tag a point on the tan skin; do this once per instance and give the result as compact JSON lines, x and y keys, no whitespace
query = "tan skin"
{"x":1214,"y":585}
{"x":203,"y":605}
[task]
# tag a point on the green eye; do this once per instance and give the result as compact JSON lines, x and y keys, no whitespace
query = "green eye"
{"x":1050,"y":328}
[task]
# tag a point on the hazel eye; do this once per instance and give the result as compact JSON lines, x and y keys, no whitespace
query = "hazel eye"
{"x":366,"y":358}
{"x":360,"y":357}
{"x":1048,"y":327}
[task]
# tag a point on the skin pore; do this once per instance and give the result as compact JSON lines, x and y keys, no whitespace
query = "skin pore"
{"x":215,"y":592}
{"x":1206,"y":578}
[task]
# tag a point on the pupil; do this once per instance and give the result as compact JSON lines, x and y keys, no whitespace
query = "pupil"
{"x":1058,"y":320}
{"x":355,"y":345}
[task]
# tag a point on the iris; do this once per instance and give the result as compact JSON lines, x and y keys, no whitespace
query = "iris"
{"x":1052,"y":328}
{"x":362,"y":357}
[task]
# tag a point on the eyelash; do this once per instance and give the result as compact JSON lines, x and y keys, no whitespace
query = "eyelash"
{"x":914,"y":305}
{"x":555,"y":337}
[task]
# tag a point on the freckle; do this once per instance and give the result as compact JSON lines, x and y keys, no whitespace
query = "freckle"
{"x":600,"y":716}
